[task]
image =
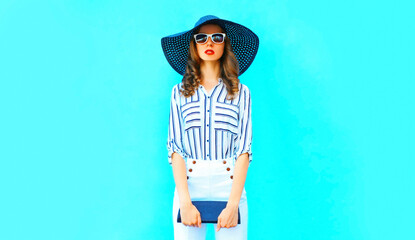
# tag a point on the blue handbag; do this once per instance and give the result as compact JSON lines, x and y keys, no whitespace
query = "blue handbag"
{"x":209,"y":211}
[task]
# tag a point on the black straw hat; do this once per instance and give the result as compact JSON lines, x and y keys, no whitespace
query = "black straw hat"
{"x":244,"y":44}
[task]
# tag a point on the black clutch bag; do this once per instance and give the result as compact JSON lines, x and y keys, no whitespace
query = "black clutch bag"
{"x":209,"y":211}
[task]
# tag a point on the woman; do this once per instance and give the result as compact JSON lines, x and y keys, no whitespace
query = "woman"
{"x":210,"y":132}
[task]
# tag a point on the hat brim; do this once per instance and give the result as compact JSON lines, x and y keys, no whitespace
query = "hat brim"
{"x":244,"y":44}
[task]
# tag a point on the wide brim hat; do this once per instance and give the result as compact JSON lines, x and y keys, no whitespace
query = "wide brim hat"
{"x":244,"y":44}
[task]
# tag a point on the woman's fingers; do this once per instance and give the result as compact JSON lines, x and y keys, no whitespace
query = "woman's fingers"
{"x":199,"y":220}
{"x":193,"y":221}
{"x":196,"y":221}
{"x":226,"y":223}
{"x":191,"y":217}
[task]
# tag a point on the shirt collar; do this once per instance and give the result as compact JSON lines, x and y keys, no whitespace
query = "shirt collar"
{"x":220,"y":81}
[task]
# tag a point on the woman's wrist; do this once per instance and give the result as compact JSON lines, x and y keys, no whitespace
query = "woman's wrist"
{"x":185,"y":202}
{"x":232,"y":204}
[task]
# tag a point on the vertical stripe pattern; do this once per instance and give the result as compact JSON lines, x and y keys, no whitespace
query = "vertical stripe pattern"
{"x":208,"y":126}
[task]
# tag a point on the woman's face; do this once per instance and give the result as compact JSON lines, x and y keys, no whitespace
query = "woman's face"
{"x":209,"y":45}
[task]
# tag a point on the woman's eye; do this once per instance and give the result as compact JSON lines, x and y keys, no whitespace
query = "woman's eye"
{"x":201,"y":37}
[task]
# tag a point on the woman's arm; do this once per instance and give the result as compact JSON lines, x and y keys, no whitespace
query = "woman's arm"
{"x":189,"y":213}
{"x":229,"y":216}
{"x":180,"y":178}
{"x":243,"y":152}
{"x":239,"y":177}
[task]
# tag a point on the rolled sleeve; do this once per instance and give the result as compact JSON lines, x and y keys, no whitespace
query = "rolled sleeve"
{"x":175,"y":134}
{"x":244,"y":139}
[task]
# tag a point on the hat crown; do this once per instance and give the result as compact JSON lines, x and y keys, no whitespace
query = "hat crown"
{"x":205,"y":19}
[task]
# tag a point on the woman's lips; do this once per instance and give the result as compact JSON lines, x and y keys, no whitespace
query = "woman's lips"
{"x":210,"y":52}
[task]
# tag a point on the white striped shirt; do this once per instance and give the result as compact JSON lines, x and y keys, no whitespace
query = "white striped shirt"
{"x":208,"y":126}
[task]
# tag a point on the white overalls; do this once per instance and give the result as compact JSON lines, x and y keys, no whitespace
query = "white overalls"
{"x":210,"y":180}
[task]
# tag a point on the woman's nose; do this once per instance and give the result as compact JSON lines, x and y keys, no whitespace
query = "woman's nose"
{"x":209,"y":41}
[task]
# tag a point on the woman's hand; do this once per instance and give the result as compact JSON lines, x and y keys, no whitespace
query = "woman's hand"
{"x":228,"y":217}
{"x":190,"y":215}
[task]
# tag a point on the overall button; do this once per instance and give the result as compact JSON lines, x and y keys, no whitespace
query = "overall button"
{"x":228,"y":169}
{"x":231,"y":176}
{"x":190,"y":170}
{"x":187,"y":177}
{"x":194,"y":161}
{"x":224,"y":161}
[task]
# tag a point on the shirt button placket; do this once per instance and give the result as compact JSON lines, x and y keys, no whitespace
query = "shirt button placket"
{"x":208,"y":110}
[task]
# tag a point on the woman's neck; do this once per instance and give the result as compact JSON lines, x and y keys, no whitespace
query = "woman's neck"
{"x":210,"y":71}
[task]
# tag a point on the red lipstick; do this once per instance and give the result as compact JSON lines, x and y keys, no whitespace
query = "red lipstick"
{"x":210,"y":52}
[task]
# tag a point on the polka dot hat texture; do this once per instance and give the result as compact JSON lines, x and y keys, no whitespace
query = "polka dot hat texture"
{"x":244,"y":44}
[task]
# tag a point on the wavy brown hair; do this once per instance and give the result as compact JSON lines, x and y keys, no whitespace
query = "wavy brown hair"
{"x":229,"y":70}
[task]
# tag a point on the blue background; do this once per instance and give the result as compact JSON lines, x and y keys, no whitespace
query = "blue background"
{"x":84,"y":101}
